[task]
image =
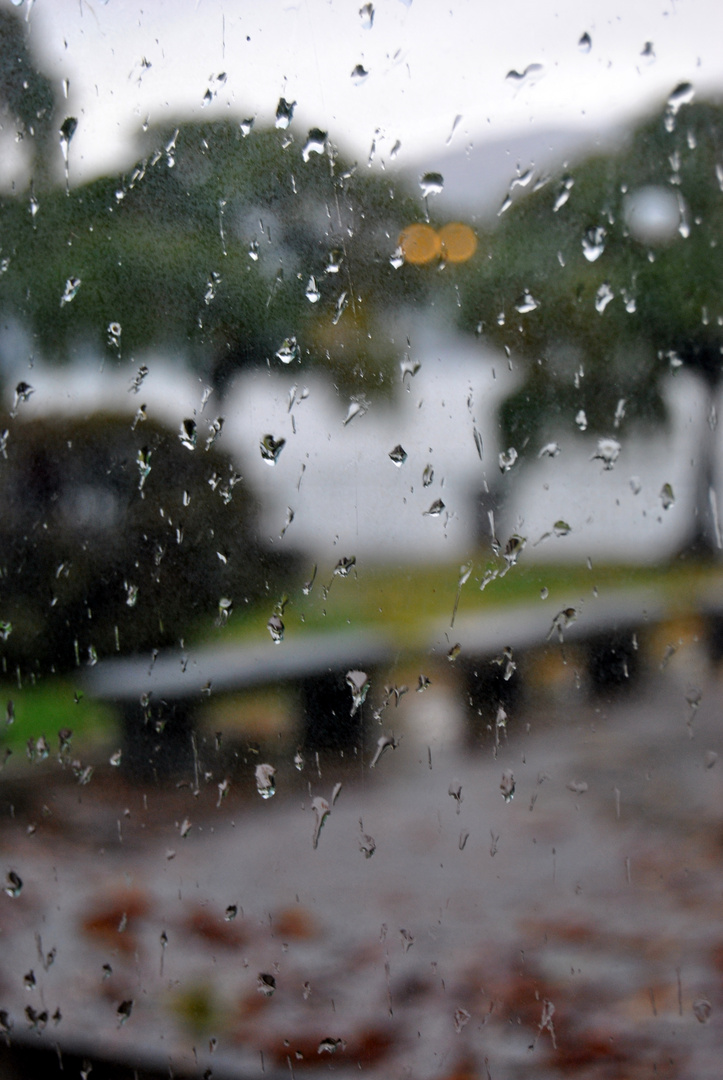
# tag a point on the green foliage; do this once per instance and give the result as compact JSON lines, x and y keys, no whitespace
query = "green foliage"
{"x":93,"y":561}
{"x":205,"y":248}
{"x":666,"y":302}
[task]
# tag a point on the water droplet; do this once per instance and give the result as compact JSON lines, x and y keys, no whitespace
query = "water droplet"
{"x":408,"y":366}
{"x":551,"y":449}
{"x":312,"y":293}
{"x":246,"y":126}
{"x":345,"y":566}
{"x":435,"y":509}
{"x":359,"y":74}
{"x":266,"y":984}
{"x":143,"y":460}
{"x":339,"y":307}
{"x":585,"y":43}
{"x":71,"y":288}
{"x":187,"y":434}
{"x":275,"y":627}
{"x":702,"y":1010}
{"x":358,"y":683}
{"x":115,"y":758}
{"x":561,"y":528}
{"x":526,"y":303}
{"x":231,"y":912}
{"x":315,"y":143}
{"x":366,"y":14}
{"x":461,"y":1017}
{"x":513,"y":549}
{"x":667,"y":497}
{"x":138,"y":379}
{"x":211,"y":286}
{"x":479,"y":444}
{"x":284,"y":113}
{"x":333,"y":262}
{"x":299,"y":761}
{"x":530,"y":71}
{"x":398,"y":455}
{"x":330,"y":1046}
{"x":271,"y":448}
{"x":184,"y":828}
{"x":581,"y":420}
{"x":636,"y":485}
{"x":507,"y":460}
{"x":254,"y":256}
{"x":455,"y":792}
{"x":682,"y":95}
{"x":66,"y":133}
{"x":358,"y":406}
{"x":577,"y":787}
{"x":507,"y":785}
{"x":544,"y":592}
{"x":431,"y":183}
{"x":603,"y":297}
{"x":454,"y":652}
{"x":13,"y":884}
{"x":607,"y":452}
{"x":6,"y":629}
{"x":648,"y":51}
{"x":123,"y":1012}
{"x":423,"y":683}
{"x":288,"y":351}
{"x":321,"y":811}
{"x":561,"y":621}
{"x":427,"y":476}
{"x":384,"y":743}
{"x":593,"y":242}
{"x":265,"y":782}
{"x":114,"y":335}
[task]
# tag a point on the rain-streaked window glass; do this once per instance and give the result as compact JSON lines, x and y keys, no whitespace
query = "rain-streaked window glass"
{"x":361,"y":591}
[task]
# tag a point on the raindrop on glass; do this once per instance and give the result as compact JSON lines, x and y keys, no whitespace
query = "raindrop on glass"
{"x":288,"y":351}
{"x":593,"y":242}
{"x":315,"y":143}
{"x":431,"y":183}
{"x":667,"y":497}
{"x":526,"y":303}
{"x":265,"y":782}
{"x":398,"y":455}
{"x":358,"y":683}
{"x":312,"y":293}
{"x":284,"y":113}
{"x":71,"y":288}
{"x":271,"y":448}
{"x":366,"y":14}
{"x":607,"y":452}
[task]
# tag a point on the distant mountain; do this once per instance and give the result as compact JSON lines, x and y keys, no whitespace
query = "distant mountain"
{"x":478,"y":178}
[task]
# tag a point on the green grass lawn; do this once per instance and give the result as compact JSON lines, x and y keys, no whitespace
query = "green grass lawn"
{"x":45,"y":709}
{"x":407,"y":603}
{"x":404,"y":601}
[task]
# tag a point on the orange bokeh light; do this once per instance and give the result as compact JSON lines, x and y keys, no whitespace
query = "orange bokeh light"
{"x":458,"y":241}
{"x":420,"y":244}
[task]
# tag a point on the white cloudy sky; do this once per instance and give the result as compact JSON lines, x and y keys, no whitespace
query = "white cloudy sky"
{"x":429,"y":61}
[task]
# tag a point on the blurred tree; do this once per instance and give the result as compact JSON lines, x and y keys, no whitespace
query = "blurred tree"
{"x":608,"y":278}
{"x":27,"y":98}
{"x":118,"y":538}
{"x":220,"y":245}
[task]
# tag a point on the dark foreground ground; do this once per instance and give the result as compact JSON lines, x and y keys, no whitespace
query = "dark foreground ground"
{"x":574,"y":930}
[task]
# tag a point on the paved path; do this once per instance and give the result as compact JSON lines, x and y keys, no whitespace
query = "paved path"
{"x":576,"y":929}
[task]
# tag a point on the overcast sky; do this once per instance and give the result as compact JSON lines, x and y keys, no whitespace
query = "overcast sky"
{"x":428,"y":62}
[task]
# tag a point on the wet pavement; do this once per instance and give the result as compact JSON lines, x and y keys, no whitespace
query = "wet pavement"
{"x":437,"y":929}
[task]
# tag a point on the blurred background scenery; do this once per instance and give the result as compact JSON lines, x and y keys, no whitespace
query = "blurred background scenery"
{"x":360,"y":373}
